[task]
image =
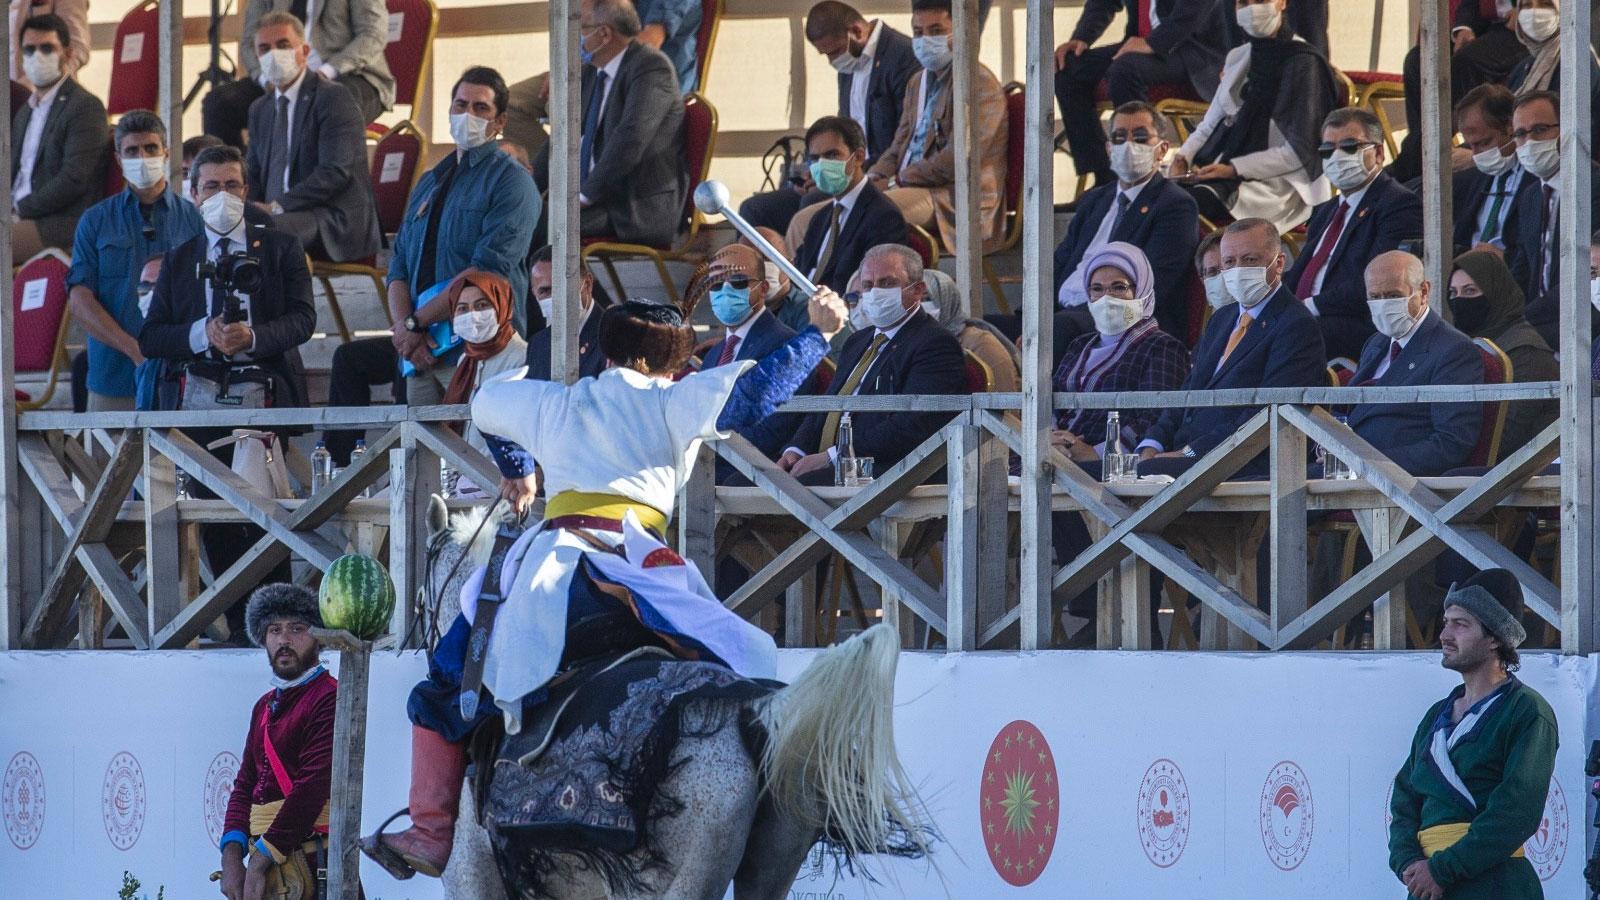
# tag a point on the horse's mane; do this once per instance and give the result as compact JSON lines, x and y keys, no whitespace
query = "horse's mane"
{"x":464,"y":531}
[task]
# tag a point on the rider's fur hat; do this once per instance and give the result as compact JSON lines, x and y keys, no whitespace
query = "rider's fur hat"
{"x":279,"y":601}
{"x":1494,"y":598}
{"x":653,"y":334}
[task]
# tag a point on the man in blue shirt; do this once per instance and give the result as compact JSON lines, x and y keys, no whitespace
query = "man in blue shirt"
{"x":673,"y":27}
{"x":474,"y":210}
{"x":114,"y":239}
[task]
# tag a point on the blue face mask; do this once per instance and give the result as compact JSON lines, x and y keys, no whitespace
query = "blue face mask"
{"x":729,"y":304}
{"x":832,"y":176}
{"x":585,"y":55}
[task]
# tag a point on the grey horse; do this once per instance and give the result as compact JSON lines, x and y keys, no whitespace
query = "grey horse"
{"x":828,"y":765}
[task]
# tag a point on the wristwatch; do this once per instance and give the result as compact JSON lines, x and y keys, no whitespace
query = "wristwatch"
{"x":413,"y":326}
{"x":1189,"y":451}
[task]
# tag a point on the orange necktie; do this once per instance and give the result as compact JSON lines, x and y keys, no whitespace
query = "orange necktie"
{"x":1236,"y":337}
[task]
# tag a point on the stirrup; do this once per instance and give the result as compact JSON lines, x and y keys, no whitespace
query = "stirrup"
{"x":392,"y":862}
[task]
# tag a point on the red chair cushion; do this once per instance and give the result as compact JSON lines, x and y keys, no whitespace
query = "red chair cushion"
{"x":1362,"y":79}
{"x":394,"y":169}
{"x":1016,"y":141}
{"x":977,"y":379}
{"x":1494,"y":372}
{"x":917,"y":240}
{"x":21,"y":396}
{"x":710,"y":12}
{"x":136,"y":60}
{"x":699,"y":128}
{"x":1158,"y":92}
{"x":38,"y":301}
{"x":410,"y":30}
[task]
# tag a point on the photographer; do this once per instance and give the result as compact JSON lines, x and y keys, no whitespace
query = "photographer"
{"x":232,"y":306}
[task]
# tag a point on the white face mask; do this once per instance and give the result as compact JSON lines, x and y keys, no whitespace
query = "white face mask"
{"x":468,"y":131}
{"x":1539,"y":25}
{"x":42,"y":69}
{"x":882,"y":306}
{"x":547,"y":307}
{"x":858,"y":317}
{"x":847,"y":63}
{"x":1392,"y":316}
{"x":773,"y":276}
{"x":280,"y":65}
{"x":1492,"y":162}
{"x":1594,"y":292}
{"x":931,"y":308}
{"x":1114,"y":315}
{"x":477,"y":327}
{"x":1542,"y":158}
{"x":1347,"y":171}
{"x":1133,"y":162}
{"x":1259,"y":20}
{"x":1247,"y":284}
{"x":933,"y":51}
{"x":145,"y":172}
{"x":144,"y":302}
{"x":222,"y":212}
{"x":1217,"y":292}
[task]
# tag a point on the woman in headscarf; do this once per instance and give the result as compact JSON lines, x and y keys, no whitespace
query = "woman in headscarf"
{"x":1127,"y":351}
{"x":1485,"y":302}
{"x":977,"y":337}
{"x":1255,"y":152}
{"x":1537,"y":24}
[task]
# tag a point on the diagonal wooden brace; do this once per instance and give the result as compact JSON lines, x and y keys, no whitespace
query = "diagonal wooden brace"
{"x":455,"y":450}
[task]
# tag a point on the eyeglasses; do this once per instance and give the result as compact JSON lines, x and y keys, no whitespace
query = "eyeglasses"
{"x":1138,"y":136}
{"x":851,"y":298}
{"x":1537,"y":132}
{"x":1120,"y":289}
{"x":1348,"y":145}
{"x":738,"y":281}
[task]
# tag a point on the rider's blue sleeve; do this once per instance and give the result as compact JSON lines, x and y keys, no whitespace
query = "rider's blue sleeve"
{"x":772,"y":381}
{"x":514,"y":462}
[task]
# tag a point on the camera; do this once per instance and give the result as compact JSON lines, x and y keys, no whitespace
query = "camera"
{"x":235,"y":273}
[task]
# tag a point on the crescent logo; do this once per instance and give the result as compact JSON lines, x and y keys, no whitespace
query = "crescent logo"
{"x":1547,"y":849}
{"x":22,"y":800}
{"x":214,"y":793}
{"x":1019,"y":803}
{"x":123,"y":801}
{"x":661,"y":556}
{"x":1163,"y":813}
{"x":1287,"y":815}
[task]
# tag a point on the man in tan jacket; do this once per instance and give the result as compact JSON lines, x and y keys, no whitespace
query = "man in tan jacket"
{"x":918,"y":171}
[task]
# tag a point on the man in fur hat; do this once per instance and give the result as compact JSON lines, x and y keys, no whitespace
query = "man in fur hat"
{"x":1473,"y":790}
{"x":277,"y":820}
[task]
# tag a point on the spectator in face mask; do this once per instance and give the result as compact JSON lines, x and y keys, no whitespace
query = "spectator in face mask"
{"x":1208,"y":265}
{"x":832,"y":236}
{"x":1485,"y":302}
{"x":784,"y":299}
{"x":114,"y":238}
{"x":979,"y":340}
{"x":1372,"y":214}
{"x":1483,"y":193}
{"x":1414,"y":346}
{"x":479,"y":307}
{"x":540,"y":280}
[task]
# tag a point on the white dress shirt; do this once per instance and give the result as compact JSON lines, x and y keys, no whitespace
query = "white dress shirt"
{"x":1072,"y":292}
{"x":22,"y":186}
{"x":861,"y":78}
{"x":1513,"y":181}
{"x":198,"y":342}
{"x":888,"y":334}
{"x":847,"y":202}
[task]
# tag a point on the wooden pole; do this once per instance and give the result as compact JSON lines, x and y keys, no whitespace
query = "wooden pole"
{"x":565,"y":128}
{"x":170,"y":106}
{"x":1580,"y":632}
{"x":1438,"y":245}
{"x":349,"y":762}
{"x":1038,"y":242}
{"x":968,"y":247}
{"x":11,"y":611}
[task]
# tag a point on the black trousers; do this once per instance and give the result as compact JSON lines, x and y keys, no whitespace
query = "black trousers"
{"x":225,"y":111}
{"x":1488,"y":59}
{"x":358,"y":367}
{"x":1128,"y":78}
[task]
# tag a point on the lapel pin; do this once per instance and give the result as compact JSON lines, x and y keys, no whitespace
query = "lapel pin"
{"x":1144,"y":210}
{"x":1362,"y":214}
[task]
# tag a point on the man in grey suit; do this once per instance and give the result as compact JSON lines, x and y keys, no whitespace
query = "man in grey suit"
{"x":631,"y":177}
{"x":347,"y":38}
{"x":307,"y":165}
{"x":58,"y":147}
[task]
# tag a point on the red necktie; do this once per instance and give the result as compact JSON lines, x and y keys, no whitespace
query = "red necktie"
{"x":1394,"y":352}
{"x":729,"y":348}
{"x":1144,"y":17}
{"x":1330,"y":239}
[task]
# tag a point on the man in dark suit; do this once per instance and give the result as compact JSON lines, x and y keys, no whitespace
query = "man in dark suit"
{"x":632,"y":183}
{"x":1142,"y":208}
{"x":1415,"y":346}
{"x":874,"y":62}
{"x":1265,"y":339}
{"x":903,"y":351}
{"x":186,"y":320}
{"x":307,"y":166}
{"x":1373,"y":214}
{"x":1483,"y":195}
{"x":1166,"y":41}
{"x":591,"y":361}
{"x":1533,"y":245}
{"x":58,"y":147}
{"x":856,"y":219}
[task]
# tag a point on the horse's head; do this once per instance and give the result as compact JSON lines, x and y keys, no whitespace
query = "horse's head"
{"x":458,"y":543}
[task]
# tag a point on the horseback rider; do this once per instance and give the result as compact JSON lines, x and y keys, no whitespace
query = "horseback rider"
{"x":594,"y":577}
{"x":278,"y":811}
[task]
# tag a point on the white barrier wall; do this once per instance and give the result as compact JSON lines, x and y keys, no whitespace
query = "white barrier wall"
{"x":1084,"y":775}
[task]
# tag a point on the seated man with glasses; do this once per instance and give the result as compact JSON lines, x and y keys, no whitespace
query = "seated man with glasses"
{"x":1532,"y":236}
{"x":1372,"y":214}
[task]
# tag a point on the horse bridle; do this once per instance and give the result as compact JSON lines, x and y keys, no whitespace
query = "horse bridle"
{"x":428,"y":605}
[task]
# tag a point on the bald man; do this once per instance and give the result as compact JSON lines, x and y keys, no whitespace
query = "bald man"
{"x":1415,"y":346}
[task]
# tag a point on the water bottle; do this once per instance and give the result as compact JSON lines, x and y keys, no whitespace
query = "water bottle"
{"x":355,"y":457}
{"x":1111,"y":461}
{"x":845,"y":444}
{"x":321,"y":467}
{"x":449,"y":478}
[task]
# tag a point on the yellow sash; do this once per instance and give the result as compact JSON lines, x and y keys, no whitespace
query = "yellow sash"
{"x":262,"y":815}
{"x":604,"y":506}
{"x":1443,"y":837}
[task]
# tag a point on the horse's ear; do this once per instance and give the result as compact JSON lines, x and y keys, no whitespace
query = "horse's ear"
{"x":438,"y":515}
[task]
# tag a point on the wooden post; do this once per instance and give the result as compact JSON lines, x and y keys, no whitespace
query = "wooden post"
{"x":968,"y":247}
{"x":11,"y":613}
{"x":565,"y":134}
{"x":1437,"y":130}
{"x":1038,"y":243}
{"x":407,"y":538}
{"x":170,"y":105}
{"x":697,"y":514}
{"x":349,"y":761}
{"x":161,"y":555}
{"x":961,"y":540}
{"x":1288,"y":522}
{"x":1580,"y":629}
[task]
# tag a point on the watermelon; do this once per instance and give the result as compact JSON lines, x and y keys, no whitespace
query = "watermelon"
{"x":356,"y":595}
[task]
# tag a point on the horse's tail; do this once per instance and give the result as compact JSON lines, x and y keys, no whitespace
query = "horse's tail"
{"x":830,"y":749}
